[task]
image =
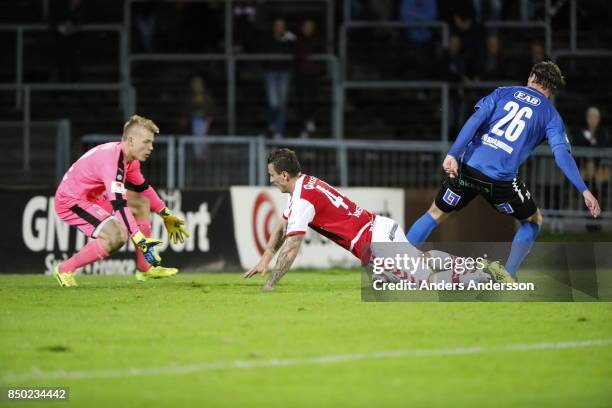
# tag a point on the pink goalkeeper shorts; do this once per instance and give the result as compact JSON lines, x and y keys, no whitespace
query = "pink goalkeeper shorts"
{"x":88,"y":216}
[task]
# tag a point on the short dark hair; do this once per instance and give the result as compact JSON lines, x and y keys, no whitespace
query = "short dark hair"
{"x":284,"y":159}
{"x":548,"y":74}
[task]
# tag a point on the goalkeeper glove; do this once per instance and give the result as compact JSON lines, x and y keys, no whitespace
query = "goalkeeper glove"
{"x":147,"y":247}
{"x":174,"y":225}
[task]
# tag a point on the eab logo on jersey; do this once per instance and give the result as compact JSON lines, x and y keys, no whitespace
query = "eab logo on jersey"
{"x":525,"y":97}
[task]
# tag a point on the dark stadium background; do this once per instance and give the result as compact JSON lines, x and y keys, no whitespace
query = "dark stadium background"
{"x":372,"y":83}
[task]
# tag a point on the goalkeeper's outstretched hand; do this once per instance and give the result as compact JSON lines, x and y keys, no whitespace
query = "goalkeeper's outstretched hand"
{"x":147,"y":247}
{"x":174,"y":225}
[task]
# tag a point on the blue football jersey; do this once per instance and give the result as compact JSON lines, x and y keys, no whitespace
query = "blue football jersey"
{"x":518,"y":119}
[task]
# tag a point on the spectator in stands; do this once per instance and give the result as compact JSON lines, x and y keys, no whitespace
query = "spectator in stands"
{"x":593,"y":134}
{"x":596,"y":172}
{"x":420,"y":38}
{"x":307,"y":75}
{"x":494,"y":65}
{"x":144,"y":13}
{"x":529,"y":9}
{"x":487,"y":10}
{"x":198,"y":114}
{"x":383,"y":10}
{"x":454,"y":69}
{"x":66,"y":16}
{"x":463,"y":23}
{"x":245,"y":13}
{"x":453,"y":63}
{"x":536,"y":55}
{"x":277,"y":76}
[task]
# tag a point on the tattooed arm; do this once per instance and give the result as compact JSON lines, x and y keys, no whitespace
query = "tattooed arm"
{"x":274,"y":243}
{"x":286,"y":257}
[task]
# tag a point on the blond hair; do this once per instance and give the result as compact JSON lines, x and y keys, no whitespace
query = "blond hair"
{"x":140,"y":121}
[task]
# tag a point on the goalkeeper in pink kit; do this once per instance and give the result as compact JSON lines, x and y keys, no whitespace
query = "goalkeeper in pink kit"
{"x":93,"y":197}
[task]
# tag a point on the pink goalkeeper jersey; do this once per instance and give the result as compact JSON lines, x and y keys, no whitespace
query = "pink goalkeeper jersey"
{"x":98,"y":175}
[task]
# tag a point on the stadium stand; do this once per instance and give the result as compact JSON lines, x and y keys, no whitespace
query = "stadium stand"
{"x":373,"y":54}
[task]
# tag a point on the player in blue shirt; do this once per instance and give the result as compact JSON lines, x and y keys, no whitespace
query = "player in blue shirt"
{"x":506,"y":127}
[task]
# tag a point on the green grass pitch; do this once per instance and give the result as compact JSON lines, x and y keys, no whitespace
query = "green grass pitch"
{"x":216,"y":340}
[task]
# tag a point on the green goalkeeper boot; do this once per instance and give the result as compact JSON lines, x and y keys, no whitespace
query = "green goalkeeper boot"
{"x":155,"y":272}
{"x":65,"y":279}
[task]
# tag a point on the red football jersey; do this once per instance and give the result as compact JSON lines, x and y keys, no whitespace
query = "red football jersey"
{"x":317,"y":205}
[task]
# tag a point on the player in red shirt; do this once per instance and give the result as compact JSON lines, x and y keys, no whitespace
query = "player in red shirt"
{"x":92,"y":196}
{"x":315,"y":204}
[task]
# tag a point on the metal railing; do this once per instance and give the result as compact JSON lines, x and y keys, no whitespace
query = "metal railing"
{"x":127,"y":102}
{"x":362,"y":163}
{"x":228,"y":55}
{"x":417,"y":165}
{"x":555,"y":194}
{"x":60,"y":146}
{"x":443,"y":87}
{"x":583,"y":53}
{"x":217,"y":161}
{"x":574,"y":55}
{"x":440,"y":25}
{"x":362,"y":84}
{"x":20,"y":29}
{"x":521,"y":25}
{"x":241,"y":160}
{"x":343,"y":45}
{"x":337,"y":67}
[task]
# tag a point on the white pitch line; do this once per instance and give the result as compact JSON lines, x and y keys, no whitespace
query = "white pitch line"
{"x":286,"y":362}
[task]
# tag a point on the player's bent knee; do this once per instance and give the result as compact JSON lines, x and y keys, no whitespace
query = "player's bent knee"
{"x":437,"y":214}
{"x":118,"y":240}
{"x":536,"y":218}
{"x":113,"y":236}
